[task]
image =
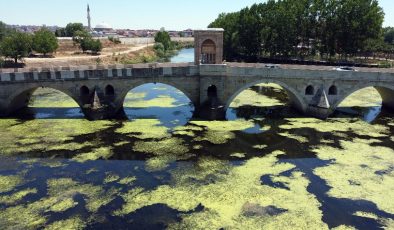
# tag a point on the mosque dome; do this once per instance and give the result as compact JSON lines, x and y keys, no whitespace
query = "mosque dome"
{"x":103,"y":26}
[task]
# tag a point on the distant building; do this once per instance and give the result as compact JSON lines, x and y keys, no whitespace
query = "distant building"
{"x":103,"y":27}
{"x":187,"y":33}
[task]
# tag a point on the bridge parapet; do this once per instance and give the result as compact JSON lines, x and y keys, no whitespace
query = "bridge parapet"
{"x":98,"y":72}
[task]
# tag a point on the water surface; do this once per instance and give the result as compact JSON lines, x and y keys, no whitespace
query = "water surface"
{"x":267,"y":167}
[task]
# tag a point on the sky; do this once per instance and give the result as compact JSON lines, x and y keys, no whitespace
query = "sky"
{"x":132,"y":14}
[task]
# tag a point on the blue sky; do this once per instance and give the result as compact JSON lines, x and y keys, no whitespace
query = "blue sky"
{"x":132,"y":14}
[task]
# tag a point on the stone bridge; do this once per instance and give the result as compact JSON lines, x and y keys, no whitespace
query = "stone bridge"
{"x":100,"y":90}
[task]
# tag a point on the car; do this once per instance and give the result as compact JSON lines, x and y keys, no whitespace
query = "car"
{"x":345,"y":68}
{"x":272,"y":66}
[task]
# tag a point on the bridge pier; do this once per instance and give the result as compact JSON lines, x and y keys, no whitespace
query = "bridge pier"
{"x":387,"y":97}
{"x":319,"y":106}
{"x":100,"y":105}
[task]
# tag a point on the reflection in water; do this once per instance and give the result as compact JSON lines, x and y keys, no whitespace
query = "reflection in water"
{"x":369,"y":108}
{"x":267,"y":167}
{"x":159,"y":101}
{"x":47,"y":103}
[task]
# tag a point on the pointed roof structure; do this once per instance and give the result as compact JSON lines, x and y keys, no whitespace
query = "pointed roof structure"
{"x":96,"y":101}
{"x":320,"y":100}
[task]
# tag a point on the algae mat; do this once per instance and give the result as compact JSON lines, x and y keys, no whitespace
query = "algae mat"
{"x":257,"y":171}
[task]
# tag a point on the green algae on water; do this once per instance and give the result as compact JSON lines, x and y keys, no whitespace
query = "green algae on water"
{"x":367,"y":97}
{"x":96,"y":196}
{"x":111,"y":178}
{"x":127,"y":180}
{"x":219,"y":132}
{"x":48,"y":135}
{"x":74,"y":223}
{"x":144,"y":129}
{"x":162,"y":101}
{"x":224,"y":198}
{"x":365,"y":172}
{"x":51,"y":98}
{"x":259,"y":100}
{"x":98,"y":153}
{"x":64,"y":205}
{"x":8,"y":183}
{"x":17,"y":196}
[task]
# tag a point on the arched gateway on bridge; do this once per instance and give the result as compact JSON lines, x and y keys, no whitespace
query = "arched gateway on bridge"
{"x":208,"y":46}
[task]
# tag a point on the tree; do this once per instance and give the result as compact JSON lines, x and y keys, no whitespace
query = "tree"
{"x":95,"y":46}
{"x":81,"y":35}
{"x":89,"y":44}
{"x":358,"y":21}
{"x":17,"y":45}
{"x":163,"y":37}
{"x":277,"y":28}
{"x":72,"y":28}
{"x":4,"y":30}
{"x":61,"y":32}
{"x":229,"y":22}
{"x":44,"y":41}
{"x":388,"y":35}
{"x":159,"y":49}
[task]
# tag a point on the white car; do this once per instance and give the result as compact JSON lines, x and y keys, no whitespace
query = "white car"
{"x":345,"y":68}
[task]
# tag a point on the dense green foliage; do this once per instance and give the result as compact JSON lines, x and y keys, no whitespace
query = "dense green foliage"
{"x":16,"y":45}
{"x":163,"y":37}
{"x":84,"y":39}
{"x":72,"y":28}
{"x":61,"y":32}
{"x":89,"y":44}
{"x":389,"y":35}
{"x":299,"y":28}
{"x":44,"y":41}
{"x":4,"y":30}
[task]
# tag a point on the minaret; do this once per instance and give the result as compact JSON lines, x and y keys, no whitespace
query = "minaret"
{"x":89,"y":24}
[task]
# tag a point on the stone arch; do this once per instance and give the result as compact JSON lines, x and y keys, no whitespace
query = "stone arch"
{"x":212,"y":91}
{"x":20,"y":98}
{"x":122,"y":96}
{"x":309,"y":90}
{"x":109,"y":90}
{"x":386,"y":93}
{"x":295,"y":98}
{"x":208,"y":52}
{"x":333,"y":90}
{"x":84,"y":91}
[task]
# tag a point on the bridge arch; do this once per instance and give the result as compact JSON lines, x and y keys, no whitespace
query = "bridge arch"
{"x":212,"y":91}
{"x":109,"y":90}
{"x":84,"y":91}
{"x":295,"y":98}
{"x":333,"y":90}
{"x":386,"y":93}
{"x":20,"y":98}
{"x":123,"y":94}
{"x":310,"y":90}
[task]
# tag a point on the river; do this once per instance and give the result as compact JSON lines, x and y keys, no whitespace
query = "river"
{"x":266,"y":167}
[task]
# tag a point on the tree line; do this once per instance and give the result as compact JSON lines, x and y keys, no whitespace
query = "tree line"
{"x":305,"y":28}
{"x":17,"y":45}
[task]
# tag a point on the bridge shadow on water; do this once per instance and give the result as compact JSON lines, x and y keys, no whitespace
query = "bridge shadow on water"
{"x":31,"y":113}
{"x":267,"y":136}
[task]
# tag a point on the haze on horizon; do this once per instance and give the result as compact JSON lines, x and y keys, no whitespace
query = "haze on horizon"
{"x":124,"y":14}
